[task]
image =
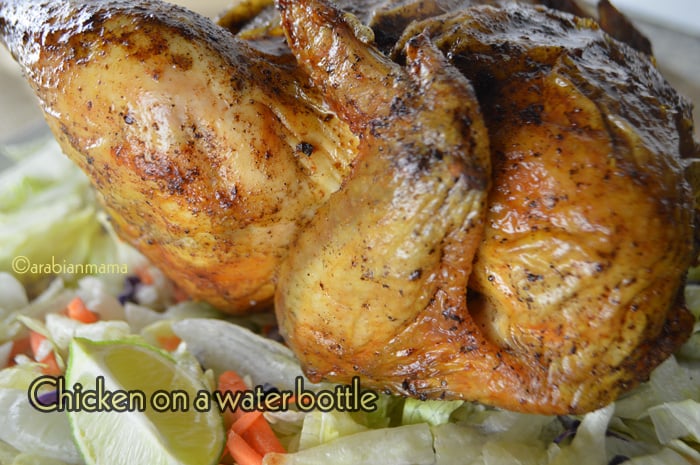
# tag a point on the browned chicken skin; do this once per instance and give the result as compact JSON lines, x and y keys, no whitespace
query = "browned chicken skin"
{"x":208,"y":155}
{"x":354,"y":281}
{"x":522,"y":243}
{"x":571,"y":297}
{"x":588,"y":231}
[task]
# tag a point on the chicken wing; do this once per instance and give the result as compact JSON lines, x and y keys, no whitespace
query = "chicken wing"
{"x":395,"y":244}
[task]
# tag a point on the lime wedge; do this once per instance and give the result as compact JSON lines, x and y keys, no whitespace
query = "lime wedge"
{"x":130,"y":403}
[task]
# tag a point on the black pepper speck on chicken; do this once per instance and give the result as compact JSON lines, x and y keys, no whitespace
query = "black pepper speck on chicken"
{"x":450,"y":200}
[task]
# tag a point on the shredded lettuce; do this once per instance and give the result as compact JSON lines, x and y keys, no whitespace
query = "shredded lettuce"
{"x":29,"y":430}
{"x":11,"y":456}
{"x":49,"y":217}
{"x":62,"y":330}
{"x":588,"y":445}
{"x":222,"y":346}
{"x":669,"y":382}
{"x":28,"y":458}
{"x":322,"y":427}
{"x":458,"y":443}
{"x":45,"y":196}
{"x":388,"y":412}
{"x":14,"y":296}
{"x":432,"y":412}
{"x":402,"y":445}
{"x":679,"y":454}
{"x":677,"y":420}
{"x":141,"y":317}
{"x":25,"y":429}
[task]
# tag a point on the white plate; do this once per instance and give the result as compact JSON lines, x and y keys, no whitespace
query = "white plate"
{"x":679,"y":15}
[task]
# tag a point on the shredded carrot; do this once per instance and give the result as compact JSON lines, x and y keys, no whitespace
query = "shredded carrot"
{"x":245,"y":421}
{"x":241,"y":451}
{"x":35,"y":340}
{"x":254,"y":430}
{"x":19,"y":346}
{"x":169,"y":343}
{"x":261,"y":437}
{"x":50,"y":364}
{"x":231,"y":381}
{"x":77,"y":310}
{"x":145,"y":276}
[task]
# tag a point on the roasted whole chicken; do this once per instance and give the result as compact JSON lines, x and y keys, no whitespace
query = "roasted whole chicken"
{"x":448,"y":199}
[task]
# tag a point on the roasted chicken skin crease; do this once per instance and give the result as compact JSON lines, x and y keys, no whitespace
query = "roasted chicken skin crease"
{"x":207,"y":154}
{"x":506,"y":221}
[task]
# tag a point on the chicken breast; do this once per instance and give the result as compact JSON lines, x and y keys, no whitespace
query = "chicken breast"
{"x":207,"y":154}
{"x":497,"y":211}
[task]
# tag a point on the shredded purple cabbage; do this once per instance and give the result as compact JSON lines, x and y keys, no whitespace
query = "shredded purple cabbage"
{"x":131,"y":284}
{"x":570,"y":427}
{"x":618,"y":459}
{"x":48,"y":398}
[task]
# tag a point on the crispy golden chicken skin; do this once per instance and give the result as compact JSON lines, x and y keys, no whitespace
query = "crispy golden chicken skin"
{"x":496,"y":212}
{"x":394,"y":245}
{"x":207,"y":154}
{"x":389,"y":18}
{"x":589,"y":227}
{"x":575,"y":292}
